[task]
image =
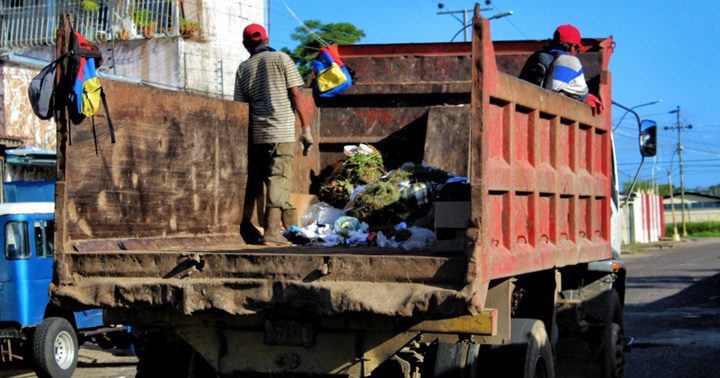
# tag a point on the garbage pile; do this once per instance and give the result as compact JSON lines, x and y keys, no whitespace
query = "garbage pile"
{"x":363,"y":164}
{"x":365,"y":205}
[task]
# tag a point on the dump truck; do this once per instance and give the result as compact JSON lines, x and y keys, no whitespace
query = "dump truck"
{"x":148,"y":228}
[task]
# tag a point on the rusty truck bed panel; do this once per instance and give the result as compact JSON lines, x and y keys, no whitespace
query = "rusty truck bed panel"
{"x":153,"y":221}
{"x":250,"y":296}
{"x":178,"y":167}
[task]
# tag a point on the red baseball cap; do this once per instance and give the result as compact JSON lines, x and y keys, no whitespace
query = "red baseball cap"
{"x":255,"y":33}
{"x":569,"y":34}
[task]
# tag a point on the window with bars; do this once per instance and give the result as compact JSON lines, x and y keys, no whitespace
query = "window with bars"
{"x":32,"y":23}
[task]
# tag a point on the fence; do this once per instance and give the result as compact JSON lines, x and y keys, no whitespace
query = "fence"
{"x":643,"y":219}
{"x":32,"y":23}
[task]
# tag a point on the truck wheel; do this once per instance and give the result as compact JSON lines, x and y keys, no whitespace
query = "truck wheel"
{"x":55,"y":348}
{"x":528,"y":356}
{"x":611,"y":350}
{"x":536,"y":351}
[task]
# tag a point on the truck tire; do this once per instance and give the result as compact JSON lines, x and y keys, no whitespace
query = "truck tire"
{"x":535,"y":350}
{"x":611,"y":352}
{"x":613,"y":349}
{"x":528,"y":356}
{"x":55,"y":348}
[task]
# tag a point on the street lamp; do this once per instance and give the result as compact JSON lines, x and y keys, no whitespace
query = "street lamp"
{"x":494,"y":17}
{"x":633,"y":108}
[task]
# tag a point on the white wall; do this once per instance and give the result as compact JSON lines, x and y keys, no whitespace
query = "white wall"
{"x":152,"y":60}
{"x":213,"y":59}
{"x":694,"y":215}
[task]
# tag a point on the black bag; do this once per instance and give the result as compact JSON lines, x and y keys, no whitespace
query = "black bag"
{"x":537,"y":67}
{"x":41,"y":91}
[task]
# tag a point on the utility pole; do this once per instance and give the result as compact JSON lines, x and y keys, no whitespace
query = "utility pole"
{"x":676,"y":236}
{"x":680,"y":127}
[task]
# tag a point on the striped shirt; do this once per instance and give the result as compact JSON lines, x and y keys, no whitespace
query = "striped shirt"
{"x":263,"y":81}
{"x":568,"y":76}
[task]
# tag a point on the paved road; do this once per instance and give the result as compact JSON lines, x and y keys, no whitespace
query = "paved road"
{"x":672,"y":308}
{"x":93,"y":362}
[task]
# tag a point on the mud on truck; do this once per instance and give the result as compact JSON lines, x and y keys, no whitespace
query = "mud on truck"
{"x":148,"y":228}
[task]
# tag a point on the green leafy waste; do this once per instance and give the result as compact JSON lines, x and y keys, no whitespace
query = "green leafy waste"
{"x":382,"y":204}
{"x":358,"y":169}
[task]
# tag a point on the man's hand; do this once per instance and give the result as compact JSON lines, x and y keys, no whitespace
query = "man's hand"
{"x":595,"y":104}
{"x":307,"y":140}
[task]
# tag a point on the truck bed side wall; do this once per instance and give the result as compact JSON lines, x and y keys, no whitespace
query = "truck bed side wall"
{"x":178,"y":169}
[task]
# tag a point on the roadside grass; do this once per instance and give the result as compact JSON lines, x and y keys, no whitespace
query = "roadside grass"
{"x":697,"y":229}
{"x":631,"y":249}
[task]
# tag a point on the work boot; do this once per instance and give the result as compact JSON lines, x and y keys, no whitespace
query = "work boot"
{"x":289,"y":218}
{"x":273,"y":236}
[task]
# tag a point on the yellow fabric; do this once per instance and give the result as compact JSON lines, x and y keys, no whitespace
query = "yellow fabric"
{"x":330,"y":78}
{"x":91,"y":97}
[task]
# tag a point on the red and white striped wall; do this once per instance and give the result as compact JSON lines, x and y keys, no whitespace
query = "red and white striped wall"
{"x":643,"y":219}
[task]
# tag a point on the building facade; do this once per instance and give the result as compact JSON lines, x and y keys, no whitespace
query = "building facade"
{"x":698,"y":208}
{"x":190,"y":45}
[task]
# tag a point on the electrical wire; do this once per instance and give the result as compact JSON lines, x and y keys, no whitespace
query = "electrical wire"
{"x":302,"y":24}
{"x":511,"y":23}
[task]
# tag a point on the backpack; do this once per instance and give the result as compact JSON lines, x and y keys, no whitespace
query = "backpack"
{"x":332,"y":77}
{"x":41,"y":91}
{"x":537,"y":67}
{"x":85,"y":93}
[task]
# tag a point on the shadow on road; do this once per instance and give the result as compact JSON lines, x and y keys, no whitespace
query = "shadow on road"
{"x":678,"y":335}
{"x":703,"y":293}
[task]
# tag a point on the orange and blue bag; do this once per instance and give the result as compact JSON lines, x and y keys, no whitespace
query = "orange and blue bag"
{"x":85,"y":90}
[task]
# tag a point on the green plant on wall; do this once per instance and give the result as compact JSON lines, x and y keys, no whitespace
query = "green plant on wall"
{"x":143,"y":17}
{"x":90,"y":5}
{"x":189,"y":28}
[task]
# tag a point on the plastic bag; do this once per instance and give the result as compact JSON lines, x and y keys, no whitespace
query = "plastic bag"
{"x":363,"y":149}
{"x":384,"y":242}
{"x":345,"y":225}
{"x":421,"y":238}
{"x":322,"y":214}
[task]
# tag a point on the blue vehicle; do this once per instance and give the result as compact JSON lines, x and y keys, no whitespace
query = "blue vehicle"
{"x":30,"y":326}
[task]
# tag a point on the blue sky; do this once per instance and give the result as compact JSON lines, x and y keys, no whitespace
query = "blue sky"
{"x":666,"y":50}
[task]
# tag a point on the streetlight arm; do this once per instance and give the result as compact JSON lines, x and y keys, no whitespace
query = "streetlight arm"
{"x":629,"y":110}
{"x":634,"y":107}
{"x":495,"y":17}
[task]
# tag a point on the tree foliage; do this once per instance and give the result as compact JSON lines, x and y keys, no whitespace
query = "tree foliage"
{"x":343,"y":33}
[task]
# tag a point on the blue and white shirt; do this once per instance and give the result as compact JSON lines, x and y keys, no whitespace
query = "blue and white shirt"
{"x":568,"y":76}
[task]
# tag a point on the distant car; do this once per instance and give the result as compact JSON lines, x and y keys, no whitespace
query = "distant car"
{"x":30,"y":326}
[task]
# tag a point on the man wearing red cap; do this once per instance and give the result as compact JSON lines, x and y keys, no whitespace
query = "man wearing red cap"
{"x":565,"y":73}
{"x":271,"y":83}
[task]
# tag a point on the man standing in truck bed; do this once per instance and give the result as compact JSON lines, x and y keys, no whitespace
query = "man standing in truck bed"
{"x":271,"y":83}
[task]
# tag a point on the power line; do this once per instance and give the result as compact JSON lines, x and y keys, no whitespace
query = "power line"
{"x":511,"y":23}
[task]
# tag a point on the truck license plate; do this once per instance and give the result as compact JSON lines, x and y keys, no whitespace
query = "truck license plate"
{"x":289,"y":332}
